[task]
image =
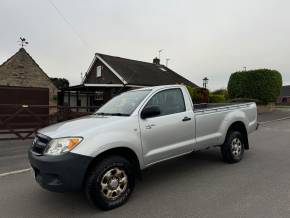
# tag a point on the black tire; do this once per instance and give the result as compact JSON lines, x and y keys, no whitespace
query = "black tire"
{"x":231,"y":153}
{"x":93,"y":187}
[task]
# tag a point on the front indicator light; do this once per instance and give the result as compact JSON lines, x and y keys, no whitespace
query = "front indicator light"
{"x":62,"y":145}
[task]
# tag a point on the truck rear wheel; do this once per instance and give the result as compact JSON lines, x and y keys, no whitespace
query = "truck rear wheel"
{"x":233,"y":148}
{"x":110,"y":182}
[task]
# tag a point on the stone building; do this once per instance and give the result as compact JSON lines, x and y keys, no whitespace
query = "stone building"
{"x":22,"y":81}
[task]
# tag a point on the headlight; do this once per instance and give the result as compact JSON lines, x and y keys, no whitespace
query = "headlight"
{"x":62,"y":145}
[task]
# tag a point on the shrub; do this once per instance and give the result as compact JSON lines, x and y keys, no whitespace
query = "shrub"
{"x":202,"y":96}
{"x":261,"y":84}
{"x":223,"y":92}
{"x":192,"y":92}
{"x":219,"y":91}
{"x":198,"y":95}
{"x":214,"y":98}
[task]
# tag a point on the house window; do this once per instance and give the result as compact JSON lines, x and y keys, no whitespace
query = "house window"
{"x":99,"y":71}
{"x":99,"y":96}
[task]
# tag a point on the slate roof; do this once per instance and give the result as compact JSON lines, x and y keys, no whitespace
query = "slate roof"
{"x":285,"y":91}
{"x":143,"y":73}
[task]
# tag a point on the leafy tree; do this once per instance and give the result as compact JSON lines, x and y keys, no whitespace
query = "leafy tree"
{"x":60,"y":83}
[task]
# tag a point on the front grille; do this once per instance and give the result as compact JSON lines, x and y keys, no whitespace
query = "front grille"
{"x":39,"y":143}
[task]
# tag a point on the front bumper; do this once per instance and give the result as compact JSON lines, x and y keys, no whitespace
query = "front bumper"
{"x":60,"y":173}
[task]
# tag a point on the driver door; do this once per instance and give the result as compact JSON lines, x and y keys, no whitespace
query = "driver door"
{"x":172,"y":132}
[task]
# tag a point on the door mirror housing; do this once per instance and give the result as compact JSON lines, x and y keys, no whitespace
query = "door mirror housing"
{"x":150,"y":112}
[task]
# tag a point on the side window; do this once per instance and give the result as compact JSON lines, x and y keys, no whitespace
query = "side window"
{"x":169,"y":101}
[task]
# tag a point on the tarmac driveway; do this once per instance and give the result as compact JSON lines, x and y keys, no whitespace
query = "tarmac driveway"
{"x":196,"y":185}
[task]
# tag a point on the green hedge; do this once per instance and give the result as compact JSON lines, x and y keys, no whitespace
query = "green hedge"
{"x":261,"y":84}
{"x":214,"y":98}
{"x":223,"y":92}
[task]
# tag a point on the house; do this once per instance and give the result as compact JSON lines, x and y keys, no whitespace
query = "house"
{"x":22,"y":81}
{"x":284,"y":97}
{"x":107,"y":76}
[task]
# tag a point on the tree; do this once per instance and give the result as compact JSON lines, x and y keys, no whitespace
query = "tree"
{"x":60,"y":83}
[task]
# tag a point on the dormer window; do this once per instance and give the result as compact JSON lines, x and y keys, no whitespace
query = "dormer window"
{"x":99,"y":71}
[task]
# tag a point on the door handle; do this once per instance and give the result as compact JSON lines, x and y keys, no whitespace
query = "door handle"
{"x":149,"y":126}
{"x":186,"y":119}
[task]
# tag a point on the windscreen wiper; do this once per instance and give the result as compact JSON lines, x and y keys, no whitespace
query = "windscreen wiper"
{"x":100,"y":113}
{"x":111,"y":114}
{"x":119,"y":114}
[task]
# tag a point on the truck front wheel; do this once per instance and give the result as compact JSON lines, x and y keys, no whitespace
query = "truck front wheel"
{"x":110,"y":182}
{"x":233,"y":148}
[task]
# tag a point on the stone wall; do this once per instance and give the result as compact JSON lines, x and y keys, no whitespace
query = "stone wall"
{"x":265,"y":108}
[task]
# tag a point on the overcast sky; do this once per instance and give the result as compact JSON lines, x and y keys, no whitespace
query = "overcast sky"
{"x":210,"y":38}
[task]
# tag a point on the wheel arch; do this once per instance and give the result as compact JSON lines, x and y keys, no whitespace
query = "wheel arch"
{"x":240,"y":127}
{"x":125,"y":152}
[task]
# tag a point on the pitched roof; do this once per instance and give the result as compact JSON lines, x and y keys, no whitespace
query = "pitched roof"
{"x":285,"y":91}
{"x":143,"y":73}
{"x":19,"y":64}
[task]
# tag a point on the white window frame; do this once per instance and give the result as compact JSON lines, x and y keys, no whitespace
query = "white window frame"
{"x":99,"y":71}
{"x":99,"y":96}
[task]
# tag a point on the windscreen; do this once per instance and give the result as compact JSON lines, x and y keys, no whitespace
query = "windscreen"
{"x":124,"y":104}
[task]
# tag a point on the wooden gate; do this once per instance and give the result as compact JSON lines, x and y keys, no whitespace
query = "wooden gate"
{"x":22,"y":120}
{"x":21,"y":110}
{"x":24,"y":95}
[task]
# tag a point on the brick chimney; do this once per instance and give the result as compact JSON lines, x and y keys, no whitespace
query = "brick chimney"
{"x":156,"y":61}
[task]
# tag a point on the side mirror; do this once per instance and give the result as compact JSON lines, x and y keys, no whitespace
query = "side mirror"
{"x":150,"y":112}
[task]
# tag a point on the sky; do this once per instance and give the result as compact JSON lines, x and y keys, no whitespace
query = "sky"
{"x":202,"y":38}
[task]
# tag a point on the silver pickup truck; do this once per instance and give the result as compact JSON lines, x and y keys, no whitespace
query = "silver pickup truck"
{"x":104,"y":153}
